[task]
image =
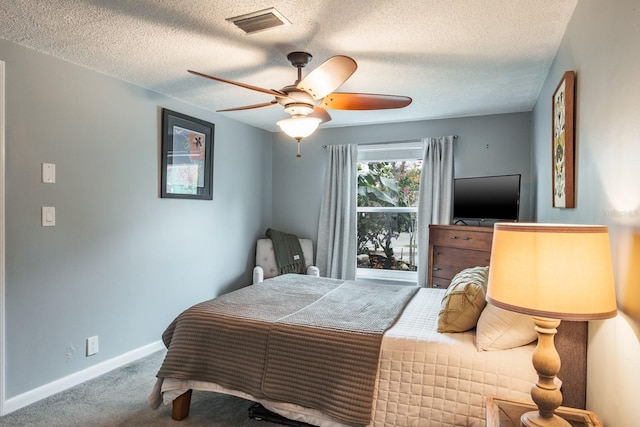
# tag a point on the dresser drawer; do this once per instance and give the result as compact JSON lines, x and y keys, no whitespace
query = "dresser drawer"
{"x":461,"y":238}
{"x":453,"y":248}
{"x":449,"y":261}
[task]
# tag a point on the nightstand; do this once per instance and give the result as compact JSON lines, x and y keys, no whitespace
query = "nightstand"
{"x":505,"y":412}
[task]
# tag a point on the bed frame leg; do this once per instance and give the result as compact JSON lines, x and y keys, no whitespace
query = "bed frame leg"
{"x":180,"y":408}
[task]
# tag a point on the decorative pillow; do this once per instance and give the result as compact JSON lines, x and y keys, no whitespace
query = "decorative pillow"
{"x":464,"y":300}
{"x":500,"y":329}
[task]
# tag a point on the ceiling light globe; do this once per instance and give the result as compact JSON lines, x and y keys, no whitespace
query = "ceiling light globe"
{"x":299,"y":127}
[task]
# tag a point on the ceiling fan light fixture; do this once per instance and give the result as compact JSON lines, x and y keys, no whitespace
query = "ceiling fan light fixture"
{"x":299,"y":127}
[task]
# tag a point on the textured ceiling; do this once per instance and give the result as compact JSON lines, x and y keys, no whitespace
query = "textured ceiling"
{"x":453,"y":57}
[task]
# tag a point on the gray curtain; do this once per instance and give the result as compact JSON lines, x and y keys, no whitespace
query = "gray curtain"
{"x":436,"y":189}
{"x":336,"y":254}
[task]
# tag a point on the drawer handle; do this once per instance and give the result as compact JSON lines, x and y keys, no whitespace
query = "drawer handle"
{"x":435,"y":285}
{"x":436,"y":269}
{"x":463,"y":238}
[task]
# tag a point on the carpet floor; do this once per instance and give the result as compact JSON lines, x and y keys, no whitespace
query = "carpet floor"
{"x":119,"y":399}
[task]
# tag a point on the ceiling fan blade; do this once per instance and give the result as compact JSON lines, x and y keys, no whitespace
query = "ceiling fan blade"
{"x":328,"y":76}
{"x":249,"y":107}
{"x":321,"y":113}
{"x":364,"y":101}
{"x":244,"y":85}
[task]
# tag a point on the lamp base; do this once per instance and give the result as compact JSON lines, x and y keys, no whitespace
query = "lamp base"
{"x":533,"y":419}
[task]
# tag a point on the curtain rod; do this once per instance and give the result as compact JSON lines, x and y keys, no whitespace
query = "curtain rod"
{"x":392,"y":142}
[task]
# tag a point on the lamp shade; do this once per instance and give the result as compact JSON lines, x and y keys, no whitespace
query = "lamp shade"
{"x":552,"y":270}
{"x":299,"y":127}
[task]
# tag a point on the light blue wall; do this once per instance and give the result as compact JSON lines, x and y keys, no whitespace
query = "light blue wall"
{"x":601,"y":45}
{"x":121,"y":262}
{"x":298,"y":182}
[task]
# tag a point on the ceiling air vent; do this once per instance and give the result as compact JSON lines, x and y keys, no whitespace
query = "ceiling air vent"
{"x":259,"y":21}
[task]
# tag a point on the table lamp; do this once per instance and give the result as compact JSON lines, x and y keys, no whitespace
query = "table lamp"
{"x":552,"y":272}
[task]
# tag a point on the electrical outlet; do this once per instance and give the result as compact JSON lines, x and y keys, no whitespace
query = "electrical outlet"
{"x":92,"y":345}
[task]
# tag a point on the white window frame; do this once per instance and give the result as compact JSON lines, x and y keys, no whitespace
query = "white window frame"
{"x":383,"y":152}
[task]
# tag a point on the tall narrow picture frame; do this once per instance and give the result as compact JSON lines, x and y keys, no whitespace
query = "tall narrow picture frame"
{"x":562,"y":137}
{"x":187,"y":157}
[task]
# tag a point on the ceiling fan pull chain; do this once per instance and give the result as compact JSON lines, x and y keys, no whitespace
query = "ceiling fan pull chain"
{"x":298,"y":155}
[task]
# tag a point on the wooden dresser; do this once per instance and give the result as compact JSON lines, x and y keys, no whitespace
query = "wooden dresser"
{"x":453,"y":248}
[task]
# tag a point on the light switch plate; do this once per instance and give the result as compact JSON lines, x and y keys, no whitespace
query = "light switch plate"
{"x":48,"y":216}
{"x":49,"y":173}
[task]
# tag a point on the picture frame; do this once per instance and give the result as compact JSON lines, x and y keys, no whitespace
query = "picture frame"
{"x":563,"y":142}
{"x":186,"y":157}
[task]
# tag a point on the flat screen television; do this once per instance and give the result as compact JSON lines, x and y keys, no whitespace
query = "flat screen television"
{"x":486,"y":198}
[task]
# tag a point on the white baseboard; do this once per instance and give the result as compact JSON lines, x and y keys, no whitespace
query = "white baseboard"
{"x":32,"y":396}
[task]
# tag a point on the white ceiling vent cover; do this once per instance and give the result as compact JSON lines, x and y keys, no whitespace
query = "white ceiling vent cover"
{"x":259,"y":21}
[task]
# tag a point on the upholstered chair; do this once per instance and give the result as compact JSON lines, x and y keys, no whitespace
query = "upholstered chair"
{"x":266,"y":267}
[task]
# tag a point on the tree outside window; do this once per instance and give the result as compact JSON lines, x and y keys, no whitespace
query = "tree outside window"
{"x":387,"y":212}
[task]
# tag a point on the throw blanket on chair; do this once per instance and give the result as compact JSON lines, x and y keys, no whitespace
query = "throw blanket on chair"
{"x":289,"y":256}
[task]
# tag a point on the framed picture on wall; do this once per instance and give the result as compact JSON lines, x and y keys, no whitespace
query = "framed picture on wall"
{"x":562,"y":131}
{"x":187,"y":157}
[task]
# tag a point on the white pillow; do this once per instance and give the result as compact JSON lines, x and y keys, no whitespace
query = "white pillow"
{"x":500,"y":329}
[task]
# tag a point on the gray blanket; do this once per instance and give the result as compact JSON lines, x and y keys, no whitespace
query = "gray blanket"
{"x":299,"y":339}
{"x":288,"y":252}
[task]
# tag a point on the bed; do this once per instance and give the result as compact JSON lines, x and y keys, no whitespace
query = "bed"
{"x":394,"y":371}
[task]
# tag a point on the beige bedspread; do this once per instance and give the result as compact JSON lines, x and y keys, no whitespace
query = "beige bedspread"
{"x":305,"y":340}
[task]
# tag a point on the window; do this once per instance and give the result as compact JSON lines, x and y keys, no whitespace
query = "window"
{"x":388,"y":189}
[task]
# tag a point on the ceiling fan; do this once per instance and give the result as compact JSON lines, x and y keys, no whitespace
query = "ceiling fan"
{"x":308,"y":99}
